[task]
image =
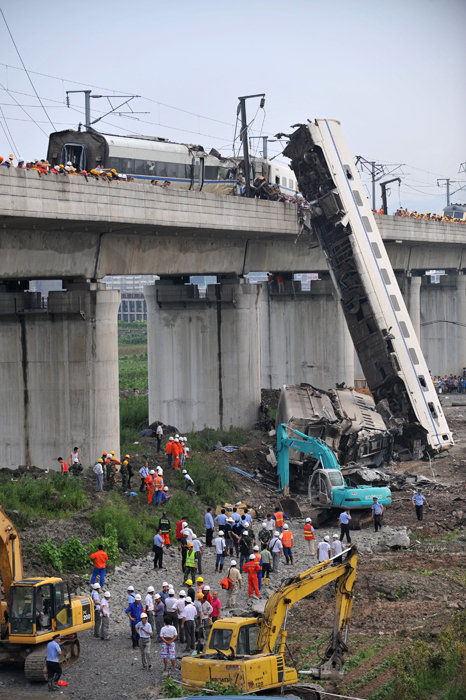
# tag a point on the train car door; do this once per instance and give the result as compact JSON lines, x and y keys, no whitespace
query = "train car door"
{"x":74,"y":153}
{"x":197,"y":173}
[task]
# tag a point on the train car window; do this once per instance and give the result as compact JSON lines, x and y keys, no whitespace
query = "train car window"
{"x":367,"y":225}
{"x":114,"y":164}
{"x":376,"y":250}
{"x":277,"y":180}
{"x":140,"y":167}
{"x":394,"y":301}
{"x":290,"y":184}
{"x":284,"y":181}
{"x":413,"y":354}
{"x":385,"y":275}
{"x":127,"y":165}
{"x":404,"y":329}
{"x":357,"y":198}
{"x":211,"y":172}
{"x":150,"y":166}
{"x":161,"y":169}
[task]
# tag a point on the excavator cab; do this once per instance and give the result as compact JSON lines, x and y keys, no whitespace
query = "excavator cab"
{"x":38,"y":608}
{"x":321,"y":486}
{"x":233,"y":637}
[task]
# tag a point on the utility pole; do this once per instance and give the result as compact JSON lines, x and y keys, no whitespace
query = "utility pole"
{"x":447,"y":182}
{"x":244,"y":136}
{"x":265,"y":140}
{"x":376,"y":170}
{"x":383,"y":187}
{"x":87,"y":105}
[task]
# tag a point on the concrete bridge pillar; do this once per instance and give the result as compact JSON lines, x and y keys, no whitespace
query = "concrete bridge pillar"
{"x":58,"y":375}
{"x":304,"y":337}
{"x":461,"y":326}
{"x":204,"y":354}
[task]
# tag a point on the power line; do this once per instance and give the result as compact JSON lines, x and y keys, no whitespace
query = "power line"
{"x":26,"y":113}
{"x":26,"y":70}
{"x":10,"y":139}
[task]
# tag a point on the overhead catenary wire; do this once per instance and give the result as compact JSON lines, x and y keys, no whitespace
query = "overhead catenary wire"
{"x":31,"y":119}
{"x":8,"y":134}
{"x":26,"y":70}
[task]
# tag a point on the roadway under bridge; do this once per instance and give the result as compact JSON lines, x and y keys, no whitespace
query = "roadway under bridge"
{"x":208,"y":356}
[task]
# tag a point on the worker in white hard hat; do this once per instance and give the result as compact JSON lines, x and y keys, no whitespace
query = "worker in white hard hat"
{"x":323,"y":549}
{"x":188,"y":482}
{"x":105,"y":617}
{"x":276,"y":548}
{"x":177,"y":450}
{"x":149,"y":605}
{"x":252,"y":568}
{"x":235,"y":577}
{"x":144,"y":630}
{"x":134,"y":613}
{"x":96,"y":600}
{"x":309,"y":537}
{"x":336,"y":549}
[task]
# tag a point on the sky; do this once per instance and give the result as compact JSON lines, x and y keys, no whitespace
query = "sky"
{"x":391,"y":72}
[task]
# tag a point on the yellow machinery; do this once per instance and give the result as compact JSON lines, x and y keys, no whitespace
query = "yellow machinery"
{"x":249,"y":652}
{"x":35,"y":609}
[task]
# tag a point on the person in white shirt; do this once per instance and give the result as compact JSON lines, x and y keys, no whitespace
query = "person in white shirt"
{"x":144,"y":630}
{"x":105,"y":617}
{"x":149,"y":606}
{"x":170,"y":604}
{"x":187,"y":624}
{"x":199,"y":550}
{"x":179,"y":607}
{"x":159,"y":435}
{"x":270,"y":523}
{"x":168,"y":635}
{"x":323,"y":549}
{"x":276,"y":547}
{"x":220,"y":550}
{"x":96,"y":599}
{"x":337,"y":548}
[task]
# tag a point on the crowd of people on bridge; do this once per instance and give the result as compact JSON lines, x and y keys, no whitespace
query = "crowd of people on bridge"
{"x":426,"y":217}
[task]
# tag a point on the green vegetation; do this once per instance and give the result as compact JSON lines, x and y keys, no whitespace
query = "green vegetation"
{"x":133,"y":372}
{"x":363,"y":655}
{"x":204,"y":440}
{"x":73,"y":555}
{"x":172,"y":689}
{"x":53,"y":495}
{"x":134,"y":417}
{"x":212,"y":484}
{"x":133,"y":333}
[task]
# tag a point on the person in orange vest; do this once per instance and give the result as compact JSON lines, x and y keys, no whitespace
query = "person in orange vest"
{"x":309,"y":537}
{"x":252,"y":568}
{"x":258,"y":558}
{"x":149,"y":481}
{"x":287,"y":542}
{"x":279,"y":517}
{"x":177,"y":450}
{"x":158,"y":487}
{"x":169,"y":451}
{"x":63,"y":465}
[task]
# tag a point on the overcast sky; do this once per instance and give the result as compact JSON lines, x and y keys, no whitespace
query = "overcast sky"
{"x":391,"y":72}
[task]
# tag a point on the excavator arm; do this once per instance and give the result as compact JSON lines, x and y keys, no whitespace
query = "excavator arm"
{"x":304,"y":443}
{"x":11,"y":560}
{"x":295,"y":589}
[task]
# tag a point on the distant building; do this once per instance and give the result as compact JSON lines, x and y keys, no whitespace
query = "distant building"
{"x":133,"y":304}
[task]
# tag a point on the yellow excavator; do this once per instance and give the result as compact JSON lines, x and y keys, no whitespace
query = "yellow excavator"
{"x":249,"y":652}
{"x":33,"y":610}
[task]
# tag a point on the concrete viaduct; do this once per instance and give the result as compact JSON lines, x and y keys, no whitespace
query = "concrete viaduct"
{"x":208,"y":356}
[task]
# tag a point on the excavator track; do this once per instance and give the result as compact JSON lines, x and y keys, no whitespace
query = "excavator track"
{"x":305,"y":691}
{"x":35,"y":667}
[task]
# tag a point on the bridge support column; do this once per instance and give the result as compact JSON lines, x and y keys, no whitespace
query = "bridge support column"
{"x":414,"y":304}
{"x":304,"y":337}
{"x":58,"y":375}
{"x":461,"y":327}
{"x":204,"y":355}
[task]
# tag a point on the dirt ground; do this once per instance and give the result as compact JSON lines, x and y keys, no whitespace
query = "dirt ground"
{"x":398,"y":592}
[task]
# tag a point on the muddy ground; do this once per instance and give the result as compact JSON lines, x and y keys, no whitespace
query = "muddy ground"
{"x":399,"y":592}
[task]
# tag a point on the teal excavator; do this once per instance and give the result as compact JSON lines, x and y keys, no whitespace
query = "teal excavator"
{"x":327,"y":487}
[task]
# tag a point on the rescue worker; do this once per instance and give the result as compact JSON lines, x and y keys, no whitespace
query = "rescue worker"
{"x":74,"y":462}
{"x":149,"y":605}
{"x":165,"y":496}
{"x":159,"y":611}
{"x":190,"y":562}
{"x":96,"y":599}
{"x":188,"y":617}
{"x":279,"y":517}
{"x":188,"y":481}
{"x":228,"y":535}
{"x":323,"y":549}
{"x":252,"y":568}
{"x":344,"y":519}
{"x":336,"y":549}
{"x":190,"y":590}
{"x":220,"y":551}
{"x":99,"y":473}
{"x":157,"y":548}
{"x":309,"y":537}
{"x":124,"y":471}
{"x":134,"y":612}
{"x":176,"y":451}
{"x":246,"y":544}
{"x":209,"y":527}
{"x":287,"y":542}
{"x":53,"y":662}
{"x":63,"y":466}
{"x":169,"y":452}
{"x":143,"y":472}
{"x":276,"y":548}
{"x":258,"y":558}
{"x":377,"y":512}
{"x":235,"y":578}
{"x":149,"y":482}
{"x":164,"y":528}
{"x":418,"y":500}
{"x":266,"y":563}
{"x":199,"y":551}
{"x":144,"y":631}
{"x":130,"y":470}
{"x":264,"y":534}
{"x":105,"y":615}
{"x":158,"y":486}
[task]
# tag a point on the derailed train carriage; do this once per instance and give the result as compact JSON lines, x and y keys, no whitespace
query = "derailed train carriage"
{"x":184,"y":166}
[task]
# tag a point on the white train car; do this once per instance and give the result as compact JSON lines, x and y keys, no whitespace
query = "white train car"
{"x":377,"y":318}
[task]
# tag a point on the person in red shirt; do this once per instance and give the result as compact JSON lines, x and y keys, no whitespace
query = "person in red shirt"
{"x":63,"y":465}
{"x":252,"y":568}
{"x":169,"y":451}
{"x":100,"y":562}
{"x":216,"y":605}
{"x":149,"y":481}
{"x":176,"y":451}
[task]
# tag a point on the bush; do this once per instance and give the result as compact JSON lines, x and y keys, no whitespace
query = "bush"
{"x":213,"y":484}
{"x":53,"y":495}
{"x":133,"y":531}
{"x":134,"y":417}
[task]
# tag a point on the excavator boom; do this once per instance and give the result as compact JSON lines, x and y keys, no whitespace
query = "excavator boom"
{"x":11,"y":560}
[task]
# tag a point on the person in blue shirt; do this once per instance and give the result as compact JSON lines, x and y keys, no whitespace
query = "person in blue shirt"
{"x":235,"y":515}
{"x":158,"y":549}
{"x":418,"y":500}
{"x":344,"y":519}
{"x":134,"y":612}
{"x":53,"y":662}
{"x":209,"y":527}
{"x":221,"y":519}
{"x":377,"y":511}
